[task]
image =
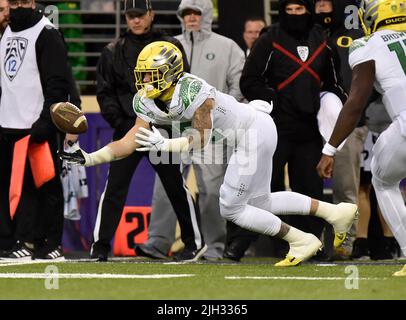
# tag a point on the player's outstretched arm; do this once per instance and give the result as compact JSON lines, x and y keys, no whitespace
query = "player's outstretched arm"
{"x":197,"y":138}
{"x":115,"y":150}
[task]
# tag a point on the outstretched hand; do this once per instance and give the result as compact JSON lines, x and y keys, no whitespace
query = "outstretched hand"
{"x":150,"y":140}
{"x":74,"y":157}
{"x":78,"y":156}
{"x":325,"y":166}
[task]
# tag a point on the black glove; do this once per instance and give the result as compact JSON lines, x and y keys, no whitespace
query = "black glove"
{"x":41,"y":131}
{"x":76,"y":157}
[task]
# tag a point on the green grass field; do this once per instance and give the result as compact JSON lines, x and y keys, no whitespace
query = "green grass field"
{"x":255,"y":279}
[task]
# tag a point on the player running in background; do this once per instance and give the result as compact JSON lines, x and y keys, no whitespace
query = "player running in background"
{"x":167,"y":94}
{"x":379,"y":59}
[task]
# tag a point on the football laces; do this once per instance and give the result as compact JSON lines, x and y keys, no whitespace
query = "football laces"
{"x":75,"y":107}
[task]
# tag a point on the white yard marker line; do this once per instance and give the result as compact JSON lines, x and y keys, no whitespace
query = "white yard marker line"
{"x":90,"y":276}
{"x":17,"y":263}
{"x":296,"y":278}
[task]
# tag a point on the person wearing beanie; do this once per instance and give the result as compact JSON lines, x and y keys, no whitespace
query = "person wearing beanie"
{"x":289,"y":65}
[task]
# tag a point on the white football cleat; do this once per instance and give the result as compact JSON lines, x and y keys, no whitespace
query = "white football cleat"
{"x":343,"y":218}
{"x":301,"y":250}
{"x":401,"y":273}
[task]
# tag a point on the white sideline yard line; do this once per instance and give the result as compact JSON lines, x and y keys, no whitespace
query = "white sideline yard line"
{"x":18,"y":263}
{"x":90,"y":276}
{"x":161,"y":276}
{"x":296,"y":278}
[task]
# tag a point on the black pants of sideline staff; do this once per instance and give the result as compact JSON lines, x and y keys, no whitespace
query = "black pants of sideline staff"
{"x":114,"y":197}
{"x":39,"y":214}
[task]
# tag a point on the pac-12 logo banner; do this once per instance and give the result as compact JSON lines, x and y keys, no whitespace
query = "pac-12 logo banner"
{"x":16,"y":48}
{"x":303,"y":52}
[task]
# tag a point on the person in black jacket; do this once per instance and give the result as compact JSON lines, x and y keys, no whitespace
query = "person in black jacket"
{"x":115,"y":92}
{"x":330,"y":14}
{"x":289,"y":65}
{"x":35,"y":76}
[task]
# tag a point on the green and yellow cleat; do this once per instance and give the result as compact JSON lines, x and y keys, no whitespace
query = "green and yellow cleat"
{"x":345,"y":215}
{"x":401,"y":273}
{"x":339,"y":238}
{"x":288,"y":262}
{"x":301,"y":251}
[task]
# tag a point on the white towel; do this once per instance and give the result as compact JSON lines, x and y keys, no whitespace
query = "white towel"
{"x":74,"y":185}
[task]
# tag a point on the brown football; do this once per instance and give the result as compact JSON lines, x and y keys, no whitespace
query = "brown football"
{"x":68,"y":118}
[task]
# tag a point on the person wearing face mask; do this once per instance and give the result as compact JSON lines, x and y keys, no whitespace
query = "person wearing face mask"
{"x":34,"y":77}
{"x":289,"y":65}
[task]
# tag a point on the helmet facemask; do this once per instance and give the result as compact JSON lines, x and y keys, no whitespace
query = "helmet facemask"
{"x":368,"y":13}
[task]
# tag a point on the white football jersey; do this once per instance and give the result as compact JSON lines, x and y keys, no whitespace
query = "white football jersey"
{"x":190,"y":93}
{"x":388,"y":49}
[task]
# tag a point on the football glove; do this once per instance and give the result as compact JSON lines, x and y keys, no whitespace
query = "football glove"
{"x":78,"y":156}
{"x":151,"y":140}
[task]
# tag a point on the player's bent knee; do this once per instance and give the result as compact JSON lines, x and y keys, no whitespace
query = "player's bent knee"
{"x":230,"y":207}
{"x":229,"y":211}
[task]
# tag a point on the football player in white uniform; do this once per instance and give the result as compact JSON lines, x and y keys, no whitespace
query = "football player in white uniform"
{"x":167,"y":94}
{"x":379,"y":60}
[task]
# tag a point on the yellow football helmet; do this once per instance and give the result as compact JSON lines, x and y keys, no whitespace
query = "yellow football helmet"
{"x":159,"y":65}
{"x":383,"y":14}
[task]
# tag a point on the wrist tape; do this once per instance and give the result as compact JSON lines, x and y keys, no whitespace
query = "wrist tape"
{"x":329,"y":150}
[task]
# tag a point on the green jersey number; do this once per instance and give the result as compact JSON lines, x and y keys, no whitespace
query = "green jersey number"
{"x":400,"y":52}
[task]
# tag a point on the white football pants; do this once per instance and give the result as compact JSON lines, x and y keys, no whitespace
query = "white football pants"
{"x":388,"y":169}
{"x":245,"y":195}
